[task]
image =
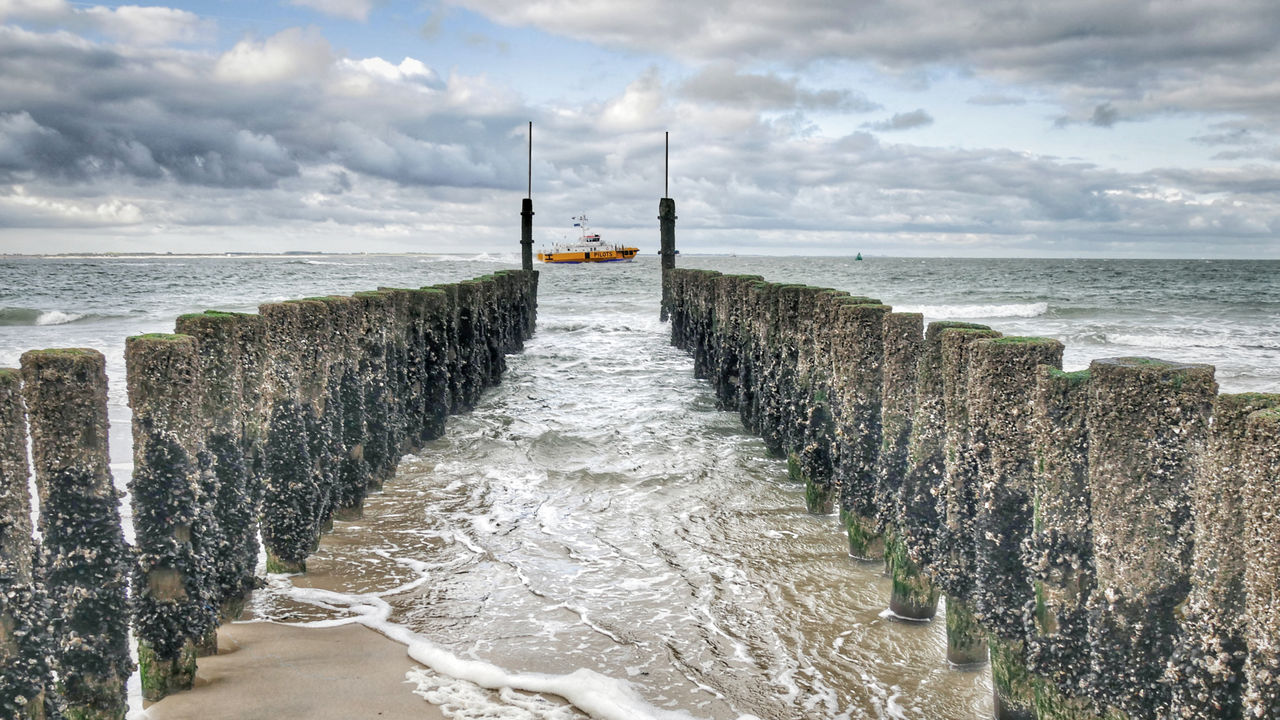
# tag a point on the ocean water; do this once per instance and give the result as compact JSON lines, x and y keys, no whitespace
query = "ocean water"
{"x":595,"y":529}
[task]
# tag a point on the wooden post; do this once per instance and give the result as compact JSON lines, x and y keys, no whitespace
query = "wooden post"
{"x":26,"y":677}
{"x":66,"y":395}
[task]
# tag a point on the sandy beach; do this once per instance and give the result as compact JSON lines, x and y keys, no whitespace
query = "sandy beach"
{"x":266,"y":670}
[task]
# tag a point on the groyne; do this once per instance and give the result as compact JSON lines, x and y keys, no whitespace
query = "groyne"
{"x":265,"y":425}
{"x":1106,"y":537}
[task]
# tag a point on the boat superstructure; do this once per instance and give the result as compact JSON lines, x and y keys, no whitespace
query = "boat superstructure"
{"x":587,"y":248}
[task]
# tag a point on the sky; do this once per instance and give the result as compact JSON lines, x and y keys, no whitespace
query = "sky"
{"x":988,"y":128}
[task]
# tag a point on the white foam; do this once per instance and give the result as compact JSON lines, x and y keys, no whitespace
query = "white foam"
{"x":57,"y":317}
{"x":888,"y":614}
{"x":585,"y":616}
{"x":1179,"y":341}
{"x":955,"y":312}
{"x":598,"y":695}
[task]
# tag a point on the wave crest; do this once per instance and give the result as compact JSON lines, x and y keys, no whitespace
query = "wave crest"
{"x":30,"y":316}
{"x":958,"y":312}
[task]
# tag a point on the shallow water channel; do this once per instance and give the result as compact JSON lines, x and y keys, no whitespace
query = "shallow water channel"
{"x":598,"y":521}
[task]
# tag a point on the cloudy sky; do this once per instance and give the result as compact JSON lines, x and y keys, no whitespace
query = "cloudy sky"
{"x":902,"y":127}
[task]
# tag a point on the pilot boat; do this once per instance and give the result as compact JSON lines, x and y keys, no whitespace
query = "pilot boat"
{"x":587,"y":248}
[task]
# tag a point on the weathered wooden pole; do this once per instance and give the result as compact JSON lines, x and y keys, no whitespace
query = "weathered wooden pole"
{"x":290,"y":494}
{"x":1148,"y":422}
{"x":174,"y":604}
{"x":858,"y":384}
{"x":26,"y":677}
{"x":222,"y":358}
{"x":957,"y":493}
{"x":913,"y":596}
{"x":1262,"y":561}
{"x":1002,"y":384}
{"x":1207,"y":669}
{"x":667,"y":229}
{"x":1059,"y":552}
{"x":526,"y":214}
{"x":66,"y":395}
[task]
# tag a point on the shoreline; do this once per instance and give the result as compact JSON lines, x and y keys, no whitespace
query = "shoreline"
{"x":267,"y":669}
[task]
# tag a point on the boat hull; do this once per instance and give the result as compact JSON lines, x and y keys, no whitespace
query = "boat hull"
{"x":592,"y":256}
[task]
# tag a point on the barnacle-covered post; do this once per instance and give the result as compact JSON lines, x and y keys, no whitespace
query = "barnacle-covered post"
{"x":810,"y":427}
{"x":66,"y":396}
{"x":221,"y":344}
{"x":346,"y":402}
{"x":859,"y":380}
{"x":1261,"y":456}
{"x":26,"y":678}
{"x":757,"y":296}
{"x":1148,"y":420}
{"x":397,"y":398}
{"x":254,"y":367}
{"x":173,"y":600}
{"x":376,"y":450}
{"x":436,"y":323}
{"x":530,"y":302}
{"x":1206,"y":673}
{"x":913,"y":596}
{"x":1002,"y":377}
{"x":1059,"y":552}
{"x":290,"y":494}
{"x":953,"y":566}
{"x":471,"y":327}
{"x":313,"y":351}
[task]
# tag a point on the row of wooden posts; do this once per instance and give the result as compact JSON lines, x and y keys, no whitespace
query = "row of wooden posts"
{"x":1109,"y":538}
{"x":265,"y":425}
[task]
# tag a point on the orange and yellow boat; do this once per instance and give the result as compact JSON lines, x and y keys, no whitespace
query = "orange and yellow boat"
{"x":588,"y":249}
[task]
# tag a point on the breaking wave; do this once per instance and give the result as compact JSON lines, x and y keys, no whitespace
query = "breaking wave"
{"x":10,"y":316}
{"x":965,"y":312}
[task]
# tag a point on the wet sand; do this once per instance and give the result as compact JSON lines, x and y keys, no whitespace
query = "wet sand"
{"x":265,"y":670}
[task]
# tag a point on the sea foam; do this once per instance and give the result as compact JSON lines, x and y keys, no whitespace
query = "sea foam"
{"x":598,"y":695}
{"x":959,"y":312}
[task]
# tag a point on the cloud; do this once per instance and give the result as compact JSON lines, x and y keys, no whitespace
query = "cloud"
{"x":1104,"y":115}
{"x":723,"y":83}
{"x":996,"y":99}
{"x":284,"y":137}
{"x":346,"y":9}
{"x":903,"y":121}
{"x":132,"y":24}
{"x":293,"y":54}
{"x":1166,"y":56}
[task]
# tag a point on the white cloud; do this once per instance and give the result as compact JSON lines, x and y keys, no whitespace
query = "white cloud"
{"x":133,"y":24}
{"x":639,"y":106}
{"x":21,"y":209}
{"x":293,"y":54}
{"x":149,"y":25}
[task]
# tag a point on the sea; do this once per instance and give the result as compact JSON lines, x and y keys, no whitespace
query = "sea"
{"x":596,"y":538}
